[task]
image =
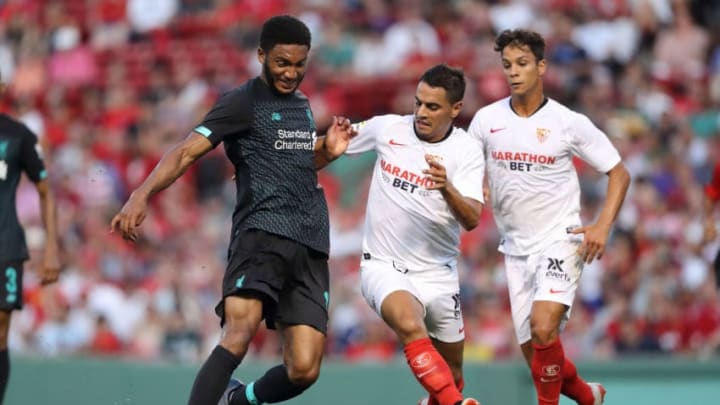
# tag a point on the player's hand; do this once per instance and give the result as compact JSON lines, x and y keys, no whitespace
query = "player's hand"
{"x":486,"y":194}
{"x":709,"y":231}
{"x":593,"y":245}
{"x":50,"y":267}
{"x":130,"y":217}
{"x":436,"y":174}
{"x":338,"y":137}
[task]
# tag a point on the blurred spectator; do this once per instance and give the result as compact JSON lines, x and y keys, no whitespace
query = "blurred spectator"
{"x":71,"y":63}
{"x":150,"y":16}
{"x":410,"y":40}
{"x":104,"y":342}
{"x":633,"y":339}
{"x":680,"y":52}
{"x":108,"y":24}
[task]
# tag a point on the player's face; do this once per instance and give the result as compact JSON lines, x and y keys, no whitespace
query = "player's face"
{"x":434,"y":113}
{"x":284,"y":66}
{"x":522,"y":70}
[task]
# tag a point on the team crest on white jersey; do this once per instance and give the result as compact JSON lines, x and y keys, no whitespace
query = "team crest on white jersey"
{"x":436,"y":158}
{"x":542,"y":134}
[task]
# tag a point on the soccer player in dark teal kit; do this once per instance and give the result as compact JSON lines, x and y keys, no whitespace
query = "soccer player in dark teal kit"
{"x":277,"y":262}
{"x":20,"y":152}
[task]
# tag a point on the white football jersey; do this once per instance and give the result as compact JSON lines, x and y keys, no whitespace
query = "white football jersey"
{"x":534,"y":188}
{"x":405,"y":222}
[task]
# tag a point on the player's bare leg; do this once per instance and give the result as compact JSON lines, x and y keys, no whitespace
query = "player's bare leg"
{"x":404,"y":314}
{"x":242,"y":319}
{"x":302,"y":355}
{"x":4,"y":358}
{"x":551,"y":365}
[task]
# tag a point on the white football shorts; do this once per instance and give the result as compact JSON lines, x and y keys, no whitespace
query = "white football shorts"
{"x":552,"y":274}
{"x":437,"y":289}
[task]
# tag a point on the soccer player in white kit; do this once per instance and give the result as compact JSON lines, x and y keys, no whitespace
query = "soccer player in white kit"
{"x":529,"y":142}
{"x":426,"y":185}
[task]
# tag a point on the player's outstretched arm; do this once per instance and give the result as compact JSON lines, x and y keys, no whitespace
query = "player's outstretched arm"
{"x":596,"y":234}
{"x":466,"y":210}
{"x":334,"y":143}
{"x":172,"y":165}
{"x":51,"y":258}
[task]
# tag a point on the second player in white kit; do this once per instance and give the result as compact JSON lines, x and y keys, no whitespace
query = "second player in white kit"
{"x":529,"y":141}
{"x":426,"y":186}
{"x":535,"y":196}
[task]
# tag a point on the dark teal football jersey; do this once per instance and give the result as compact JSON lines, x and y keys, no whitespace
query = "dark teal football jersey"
{"x":269,"y":138}
{"x":19,"y":152}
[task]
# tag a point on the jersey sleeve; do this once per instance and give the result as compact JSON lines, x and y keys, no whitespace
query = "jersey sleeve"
{"x":231,"y":115}
{"x":469,"y":177}
{"x":712,"y":189}
{"x":31,"y":157}
{"x":366,"y":138}
{"x":592,"y":145}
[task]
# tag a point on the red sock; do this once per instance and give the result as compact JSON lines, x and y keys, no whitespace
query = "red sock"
{"x":547,"y":365}
{"x":432,"y":371}
{"x":460,"y":386}
{"x":575,"y":387}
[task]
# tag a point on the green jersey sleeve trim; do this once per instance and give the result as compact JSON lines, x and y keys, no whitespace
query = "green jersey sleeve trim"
{"x":203,"y":130}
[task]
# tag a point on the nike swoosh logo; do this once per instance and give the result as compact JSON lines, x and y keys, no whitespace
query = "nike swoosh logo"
{"x":461,"y":330}
{"x":493,"y":130}
{"x":392,"y":142}
{"x":554,"y":291}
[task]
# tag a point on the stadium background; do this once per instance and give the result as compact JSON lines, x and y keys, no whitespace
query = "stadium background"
{"x":109,"y":85}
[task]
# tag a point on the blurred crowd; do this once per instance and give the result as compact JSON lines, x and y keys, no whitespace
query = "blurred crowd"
{"x":109,"y":85}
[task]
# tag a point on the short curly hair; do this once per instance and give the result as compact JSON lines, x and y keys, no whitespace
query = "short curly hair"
{"x":520,"y":37}
{"x":285,"y":30}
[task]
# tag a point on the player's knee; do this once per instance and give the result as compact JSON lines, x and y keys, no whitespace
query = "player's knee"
{"x":237,"y":336}
{"x":409,"y":328}
{"x":543,"y":333}
{"x":303,"y":373}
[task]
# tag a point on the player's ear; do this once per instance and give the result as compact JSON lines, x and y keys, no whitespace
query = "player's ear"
{"x":261,"y":56}
{"x":542,"y":66}
{"x":456,"y":108}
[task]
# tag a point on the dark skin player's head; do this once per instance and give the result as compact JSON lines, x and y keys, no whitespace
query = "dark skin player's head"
{"x":283,"y":53}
